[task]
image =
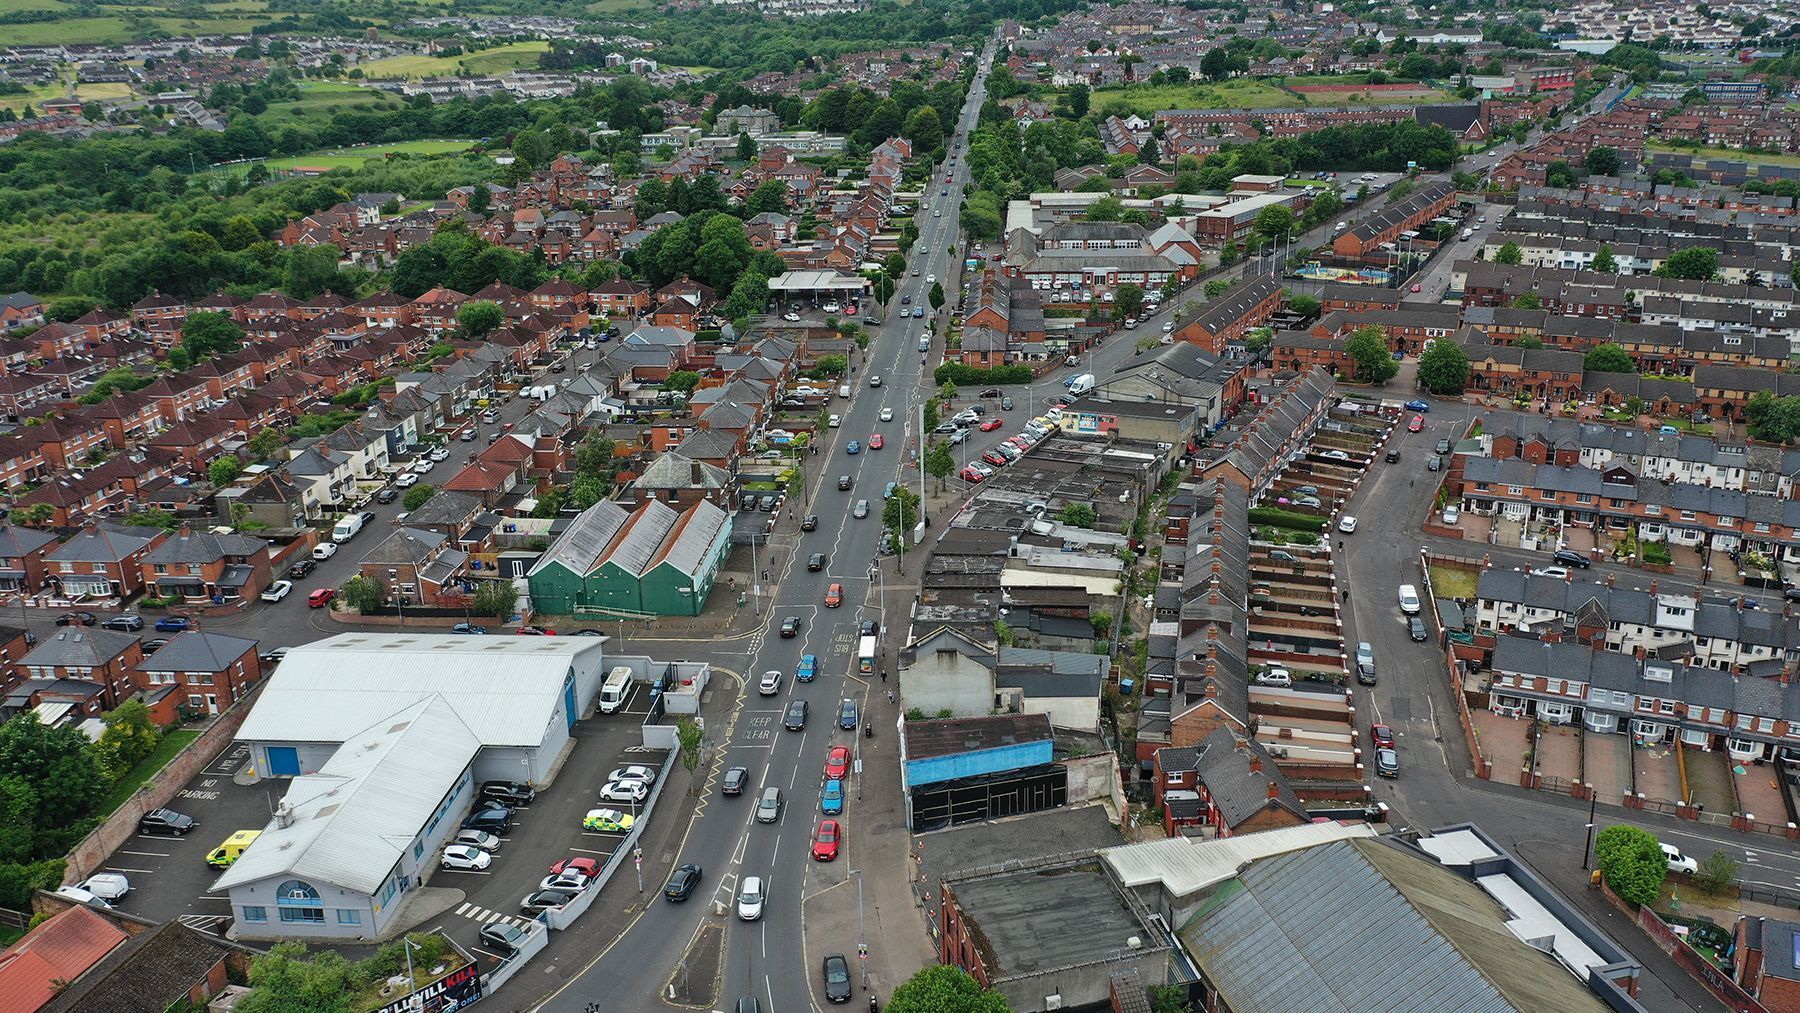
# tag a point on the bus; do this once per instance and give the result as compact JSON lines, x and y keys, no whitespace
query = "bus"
{"x":865,"y":656}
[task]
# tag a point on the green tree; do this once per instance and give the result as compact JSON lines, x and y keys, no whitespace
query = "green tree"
{"x":1696,"y":263}
{"x":1608,"y":357}
{"x":1079,"y":515}
{"x":1444,"y":367}
{"x":682,"y":380}
{"x":925,"y":129}
{"x":1106,"y":209}
{"x":418,"y":496}
{"x":939,"y":461}
{"x":771,"y":195}
{"x":207,"y":333}
{"x":1509,"y":253}
{"x":1076,"y":100}
{"x":224,"y":470}
{"x":362,"y":594}
{"x":481,"y":200}
{"x":690,"y":737}
{"x":1526,"y":301}
{"x":1368,"y":348}
{"x":1169,"y":999}
{"x":496,"y":598}
{"x":1128,"y":301}
{"x":130,"y":736}
{"x":943,"y":987}
{"x":901,"y":511}
{"x":746,"y":147}
{"x":1529,"y":341}
{"x":286,"y":979}
{"x":33,"y":515}
{"x":936,"y":297}
{"x":478,"y":317}
{"x":57,"y":764}
{"x":1259,"y":338}
{"x":1274,"y":221}
{"x":266,"y":444}
{"x":1303,"y":304}
{"x":1602,"y":161}
{"x":1717,"y":872}
{"x":1632,"y":862}
{"x":1604,"y":261}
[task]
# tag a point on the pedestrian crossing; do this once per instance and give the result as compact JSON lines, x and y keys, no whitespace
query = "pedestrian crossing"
{"x":484,"y":916}
{"x":210,"y":924}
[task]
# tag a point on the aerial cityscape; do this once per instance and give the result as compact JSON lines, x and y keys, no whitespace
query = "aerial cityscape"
{"x":1276,"y":507}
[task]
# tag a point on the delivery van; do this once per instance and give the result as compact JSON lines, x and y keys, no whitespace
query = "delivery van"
{"x":1080,"y":385}
{"x":616,"y":690}
{"x":347,"y":528}
{"x":225,"y":854}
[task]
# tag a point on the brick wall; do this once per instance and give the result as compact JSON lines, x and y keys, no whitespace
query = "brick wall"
{"x":88,"y":856}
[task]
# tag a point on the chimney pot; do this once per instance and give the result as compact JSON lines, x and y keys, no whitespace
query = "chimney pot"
{"x":1274,"y":791}
{"x":1255,"y":764}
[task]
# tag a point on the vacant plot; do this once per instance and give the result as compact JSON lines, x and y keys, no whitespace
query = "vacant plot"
{"x":20,"y":6}
{"x":487,"y":61}
{"x":1340,"y":94}
{"x":1503,"y":742}
{"x":321,"y":100}
{"x":1146,"y":99}
{"x":351,"y":158}
{"x":60,"y":89}
{"x":1709,"y":783}
{"x":1759,"y":791}
{"x":1724,"y":154}
{"x":1452,"y":581}
{"x":1654,"y":773}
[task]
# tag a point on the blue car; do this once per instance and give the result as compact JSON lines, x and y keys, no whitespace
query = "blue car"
{"x":808,"y":670}
{"x":469,"y":629}
{"x":1418,"y":406}
{"x":831,"y":800}
{"x":174,"y":624}
{"x":888,"y":493}
{"x":853,"y":447}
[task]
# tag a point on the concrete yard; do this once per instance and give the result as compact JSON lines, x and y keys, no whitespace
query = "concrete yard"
{"x":1503,"y":742}
{"x":1559,"y":752}
{"x":1709,"y":780}
{"x":1607,"y":765}
{"x":1655,"y":773}
{"x":1759,"y":791}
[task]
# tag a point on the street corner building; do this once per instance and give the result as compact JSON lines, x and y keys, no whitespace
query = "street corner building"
{"x":386,"y":737}
{"x":618,"y":560}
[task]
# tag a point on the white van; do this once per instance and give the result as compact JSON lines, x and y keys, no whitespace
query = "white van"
{"x":1409,"y":600}
{"x":843,"y":390}
{"x":1339,"y":227}
{"x":1080,"y":385}
{"x":616,"y":690}
{"x":1468,"y":234}
{"x":347,"y":528}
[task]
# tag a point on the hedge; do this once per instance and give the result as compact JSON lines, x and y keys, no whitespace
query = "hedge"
{"x":976,"y":376}
{"x":1284,"y":519}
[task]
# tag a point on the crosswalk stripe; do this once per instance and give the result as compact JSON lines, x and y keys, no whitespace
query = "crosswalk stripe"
{"x":464,"y":909}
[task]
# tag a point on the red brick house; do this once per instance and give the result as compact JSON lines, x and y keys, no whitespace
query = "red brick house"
{"x":86,"y":654}
{"x":209,"y":671}
{"x":1228,"y":784}
{"x":102,"y":561}
{"x":200,"y":565}
{"x":23,"y":558}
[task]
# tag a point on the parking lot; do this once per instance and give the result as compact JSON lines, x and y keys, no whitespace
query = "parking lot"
{"x":171,"y":880}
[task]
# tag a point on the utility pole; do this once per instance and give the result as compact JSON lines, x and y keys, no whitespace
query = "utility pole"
{"x":862,"y":947}
{"x":1593,"y":801}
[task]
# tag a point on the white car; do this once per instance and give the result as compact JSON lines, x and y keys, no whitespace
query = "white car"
{"x":1347,"y":524}
{"x":571,"y":881}
{"x":834,"y":422}
{"x":791,"y":317}
{"x":750,"y":899}
{"x":406,"y":481}
{"x":476,"y":839}
{"x":440,"y":454}
{"x":887,"y":415}
{"x":278,"y":590}
{"x":1678,"y":862}
{"x":464,"y":857}
{"x":634,"y":772}
{"x":624,"y":791}
{"x":770,"y":684}
{"x":1451,"y":513}
{"x":423,"y":464}
{"x":1559,"y":572}
{"x":108,"y":886}
{"x":324,"y":550}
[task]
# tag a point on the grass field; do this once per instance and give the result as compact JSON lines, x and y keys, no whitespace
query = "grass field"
{"x":320,"y":100}
{"x":228,"y":16}
{"x":13,"y":6}
{"x":59,"y":89}
{"x":617,"y":6}
{"x":172,"y":743}
{"x":1242,"y":93}
{"x":351,"y":158}
{"x":487,"y":61}
{"x":1725,"y":153}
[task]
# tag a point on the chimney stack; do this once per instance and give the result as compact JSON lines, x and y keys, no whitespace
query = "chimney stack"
{"x":1274,"y":792}
{"x":1255,"y":764}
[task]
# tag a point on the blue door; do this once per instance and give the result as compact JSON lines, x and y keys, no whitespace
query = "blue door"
{"x":569,"y":701}
{"x":284,"y":761}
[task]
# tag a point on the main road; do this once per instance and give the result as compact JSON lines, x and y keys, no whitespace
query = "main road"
{"x":765,"y":958}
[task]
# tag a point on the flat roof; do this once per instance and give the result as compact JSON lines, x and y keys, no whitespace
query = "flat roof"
{"x":949,"y":736}
{"x":1044,"y":918}
{"x":813,"y":281}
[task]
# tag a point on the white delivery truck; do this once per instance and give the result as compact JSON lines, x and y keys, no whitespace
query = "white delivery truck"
{"x":616,"y":690}
{"x":1080,"y":385}
{"x":347,"y":528}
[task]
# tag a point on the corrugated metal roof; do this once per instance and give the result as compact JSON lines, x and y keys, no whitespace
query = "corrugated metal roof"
{"x":688,"y":551}
{"x":504,"y":688}
{"x":1185,"y":864}
{"x":588,"y":535}
{"x":350,"y":822}
{"x":633,"y":549}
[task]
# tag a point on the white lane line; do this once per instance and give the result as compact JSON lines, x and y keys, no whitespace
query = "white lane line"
{"x":140,"y":872}
{"x":145,"y":854}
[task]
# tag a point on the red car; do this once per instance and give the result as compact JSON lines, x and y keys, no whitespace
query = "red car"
{"x":1417,"y":423}
{"x":321,"y":597}
{"x":875,"y":442}
{"x":990,"y":425}
{"x":994,"y":457}
{"x":971,"y":475}
{"x":834,"y":596}
{"x":837,"y":762}
{"x":535,"y":631}
{"x":825,"y":840}
{"x":586,"y":866}
{"x":1383,"y":736}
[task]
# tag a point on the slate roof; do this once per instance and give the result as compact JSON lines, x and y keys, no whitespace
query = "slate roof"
{"x":197,"y":651}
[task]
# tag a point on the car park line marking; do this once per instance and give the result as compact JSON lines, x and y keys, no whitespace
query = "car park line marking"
{"x":135,"y":872}
{"x":467,"y":872}
{"x":145,"y":854}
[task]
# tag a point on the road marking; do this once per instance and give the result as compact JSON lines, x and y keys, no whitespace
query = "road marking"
{"x":140,"y":872}
{"x":145,"y":854}
{"x":589,"y":851}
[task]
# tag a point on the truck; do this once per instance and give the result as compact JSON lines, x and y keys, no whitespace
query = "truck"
{"x":347,"y":528}
{"x":865,"y":656}
{"x":541,"y":392}
{"x":616,"y":690}
{"x":1080,"y":385}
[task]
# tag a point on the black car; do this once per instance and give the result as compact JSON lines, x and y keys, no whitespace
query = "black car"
{"x":1443,"y":446}
{"x":735,"y":780}
{"x":837,"y":978}
{"x":810,"y":523}
{"x":494,"y":821}
{"x":790,"y":627}
{"x":1415,"y":629}
{"x":843,"y":481}
{"x":127,"y":622}
{"x":154,"y":644}
{"x":165,"y":821}
{"x":387,"y":495}
{"x":795,"y":718}
{"x":1365,"y":674}
{"x":511,"y":793}
{"x":546,"y":900}
{"x":504,"y":936}
{"x":870,"y":627}
{"x":76,"y":619}
{"x":302,"y":567}
{"x":816,"y":562}
{"x":1569,"y":557}
{"x":847,"y":715}
{"x":990,"y":392}
{"x":368,"y":517}
{"x":682,"y":882}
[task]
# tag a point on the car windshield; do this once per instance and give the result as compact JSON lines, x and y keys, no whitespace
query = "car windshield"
{"x":837,"y":975}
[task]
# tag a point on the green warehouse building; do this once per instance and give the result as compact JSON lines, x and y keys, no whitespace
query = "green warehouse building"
{"x":652,"y":558}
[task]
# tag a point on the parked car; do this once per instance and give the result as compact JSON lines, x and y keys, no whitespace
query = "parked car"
{"x":540,"y":901}
{"x":1387,"y":763}
{"x":682,"y":882}
{"x":847,"y":715}
{"x":826,"y":840}
{"x":1415,"y":628}
{"x":1677,"y":861}
{"x":1382,"y":735}
{"x":1418,"y":406}
{"x":165,"y":821}
{"x":511,"y":793}
{"x":837,"y":979}
{"x":607,"y":821}
{"x":1572,"y":558}
{"x":464,"y":858}
{"x":504,"y":936}
{"x":1443,"y":446}
{"x":278,"y":590}
{"x":624,"y":791}
{"x":388,"y":494}
{"x":77,"y":619}
{"x":174,"y":624}
{"x":837,"y":762}
{"x":1346,"y":523}
{"x":132,"y":623}
{"x":318,"y":599}
{"x":324,"y":550}
{"x":469,"y":629}
{"x":302,"y":567}
{"x":831,"y":797}
{"x":476,"y":839}
{"x":1417,"y":423}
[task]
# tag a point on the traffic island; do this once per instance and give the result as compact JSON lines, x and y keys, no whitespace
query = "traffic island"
{"x":695,"y":983}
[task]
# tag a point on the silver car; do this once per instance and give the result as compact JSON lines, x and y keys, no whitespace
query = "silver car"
{"x":768,"y":807}
{"x":862,"y":509}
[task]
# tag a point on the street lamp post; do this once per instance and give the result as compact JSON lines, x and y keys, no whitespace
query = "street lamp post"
{"x":1593,"y":802}
{"x":862,"y":947}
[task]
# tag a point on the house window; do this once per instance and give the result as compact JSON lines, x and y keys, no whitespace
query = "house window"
{"x":256,"y":914}
{"x":347,"y":916}
{"x":1666,"y":706}
{"x":303,"y":914}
